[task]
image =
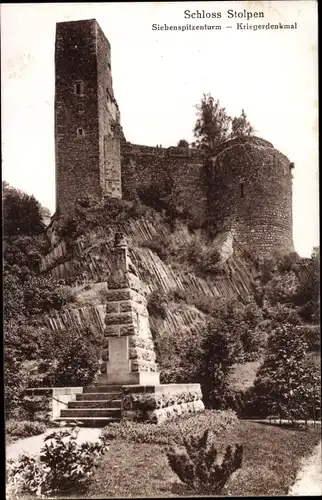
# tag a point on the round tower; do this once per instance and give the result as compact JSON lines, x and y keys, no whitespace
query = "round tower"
{"x":251,"y":194}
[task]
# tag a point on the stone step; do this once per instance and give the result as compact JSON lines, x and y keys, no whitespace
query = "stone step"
{"x":103,"y":388}
{"x":91,"y":413}
{"x":113,"y":405}
{"x":88,"y":421}
{"x":98,"y":396}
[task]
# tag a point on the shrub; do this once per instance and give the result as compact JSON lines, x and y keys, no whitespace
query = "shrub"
{"x":160,"y":246}
{"x":22,"y":213}
{"x":157,"y":304}
{"x":90,"y":214}
{"x":70,"y":358}
{"x":220,"y":349}
{"x":173,"y":431}
{"x":287,"y":383}
{"x":197,"y":464}
{"x":312,"y":336}
{"x":195,"y":298}
{"x":24,"y":428}
{"x":64,"y":466}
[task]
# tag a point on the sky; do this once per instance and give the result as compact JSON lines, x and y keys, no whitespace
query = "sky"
{"x":159,"y":77}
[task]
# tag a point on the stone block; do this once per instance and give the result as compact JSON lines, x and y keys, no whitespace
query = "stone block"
{"x":128,"y":330}
{"x":138,"y":297}
{"x":112,"y":331}
{"x":118,"y":319}
{"x":116,"y":295}
{"x":112,"y":307}
{"x":125,"y":306}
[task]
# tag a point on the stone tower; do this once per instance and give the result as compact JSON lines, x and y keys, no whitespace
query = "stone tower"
{"x":87,"y":118}
{"x":250,"y":187}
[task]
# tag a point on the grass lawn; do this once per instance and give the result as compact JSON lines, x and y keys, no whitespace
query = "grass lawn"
{"x":272,"y":457}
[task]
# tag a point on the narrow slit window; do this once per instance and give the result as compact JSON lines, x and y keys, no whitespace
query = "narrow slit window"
{"x":79,"y":88}
{"x":80,"y":132}
{"x":242,"y":190}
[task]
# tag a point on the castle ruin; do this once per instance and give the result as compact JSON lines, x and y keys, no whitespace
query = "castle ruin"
{"x":246,"y":188}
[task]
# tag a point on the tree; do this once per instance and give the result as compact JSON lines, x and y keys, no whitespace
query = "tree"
{"x":286,"y":383}
{"x":241,"y":127}
{"x":21,"y":213}
{"x":212,"y":125}
{"x":219,"y":351}
{"x":183,"y":144}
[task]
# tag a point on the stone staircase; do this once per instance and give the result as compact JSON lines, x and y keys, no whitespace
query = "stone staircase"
{"x":96,"y":406}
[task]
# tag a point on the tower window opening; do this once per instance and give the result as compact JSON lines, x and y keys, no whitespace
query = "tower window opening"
{"x":79,"y":88}
{"x":80,"y":132}
{"x":242,"y":190}
{"x":109,"y":66}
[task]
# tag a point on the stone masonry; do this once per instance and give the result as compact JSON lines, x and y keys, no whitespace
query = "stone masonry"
{"x":87,"y":117}
{"x":246,"y":187}
{"x":131,"y":356}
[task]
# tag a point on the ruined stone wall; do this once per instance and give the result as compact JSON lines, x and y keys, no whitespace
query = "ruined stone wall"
{"x":179,"y":171}
{"x":250,"y":190}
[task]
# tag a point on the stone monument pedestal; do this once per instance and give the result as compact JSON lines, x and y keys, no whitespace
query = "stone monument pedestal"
{"x":131,"y":356}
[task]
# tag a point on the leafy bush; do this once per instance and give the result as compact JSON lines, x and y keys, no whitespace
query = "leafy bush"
{"x":197,"y":464}
{"x":312,"y":336}
{"x":24,"y":428}
{"x":154,"y":195}
{"x":70,"y":358}
{"x":64,"y":466}
{"x":195,"y":298}
{"x":21,"y":213}
{"x":90,"y":214}
{"x":220,"y":349}
{"x":157,"y":304}
{"x":160,"y":246}
{"x":173,"y":431}
{"x":287,"y":383}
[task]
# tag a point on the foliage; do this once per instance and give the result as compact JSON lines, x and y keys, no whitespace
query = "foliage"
{"x":287,"y":383}
{"x":64,"y":466}
{"x":24,"y":428}
{"x":290,"y":281}
{"x":194,"y":298}
{"x":240,"y":126}
{"x":16,"y":380}
{"x":312,"y":336}
{"x":193,"y":251}
{"x":90,"y":214}
{"x":172,"y":431}
{"x":219,"y":351}
{"x":154,"y":195}
{"x":214,"y":126}
{"x":183,"y":144}
{"x":70,"y":358}
{"x":234,"y":331}
{"x":157,"y":304}
{"x":21,"y":213}
{"x":197,"y":465}
{"x":271,"y":459}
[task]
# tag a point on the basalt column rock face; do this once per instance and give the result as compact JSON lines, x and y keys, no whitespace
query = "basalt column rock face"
{"x":131,"y":356}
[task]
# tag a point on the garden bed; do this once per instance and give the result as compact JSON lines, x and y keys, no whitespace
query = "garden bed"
{"x":272,"y":458}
